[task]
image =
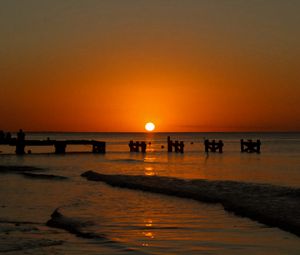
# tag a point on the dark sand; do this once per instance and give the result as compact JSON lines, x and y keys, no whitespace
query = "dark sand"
{"x":275,"y":206}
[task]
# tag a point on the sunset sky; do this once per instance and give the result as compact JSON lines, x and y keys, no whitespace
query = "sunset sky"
{"x":189,"y":65}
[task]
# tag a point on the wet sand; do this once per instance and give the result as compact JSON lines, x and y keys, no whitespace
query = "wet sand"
{"x":19,"y":169}
{"x":275,"y":206}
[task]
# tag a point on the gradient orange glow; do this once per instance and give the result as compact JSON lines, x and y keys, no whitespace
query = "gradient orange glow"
{"x":186,"y":66}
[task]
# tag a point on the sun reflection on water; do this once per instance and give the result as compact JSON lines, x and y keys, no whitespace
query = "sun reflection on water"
{"x":148,"y":223}
{"x":147,"y":233}
{"x":149,"y":171}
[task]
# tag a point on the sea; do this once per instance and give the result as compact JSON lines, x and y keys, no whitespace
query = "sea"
{"x":138,"y":222}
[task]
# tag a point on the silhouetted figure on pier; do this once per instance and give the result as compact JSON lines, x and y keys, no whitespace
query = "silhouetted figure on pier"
{"x":20,"y":143}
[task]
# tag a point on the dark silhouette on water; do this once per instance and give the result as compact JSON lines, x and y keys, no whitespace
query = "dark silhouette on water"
{"x":5,"y":138}
{"x":8,"y":137}
{"x":20,"y":146}
{"x":178,"y":146}
{"x":135,"y":146}
{"x":60,"y":145}
{"x":250,"y":146}
{"x":213,"y":146}
{"x":21,"y":135}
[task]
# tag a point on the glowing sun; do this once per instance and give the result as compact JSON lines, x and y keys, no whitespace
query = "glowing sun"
{"x":149,"y":126}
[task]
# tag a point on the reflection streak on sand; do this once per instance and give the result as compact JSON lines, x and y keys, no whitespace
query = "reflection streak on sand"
{"x":272,"y":205}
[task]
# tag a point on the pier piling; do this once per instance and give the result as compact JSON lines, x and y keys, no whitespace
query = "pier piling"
{"x":135,"y":146}
{"x":213,"y":146}
{"x":178,"y":146}
{"x":250,"y":146}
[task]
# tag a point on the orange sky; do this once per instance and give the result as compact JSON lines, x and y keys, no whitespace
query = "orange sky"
{"x":185,"y":65}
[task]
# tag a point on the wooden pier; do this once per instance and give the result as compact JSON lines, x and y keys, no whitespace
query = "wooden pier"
{"x":100,"y":147}
{"x":60,"y":145}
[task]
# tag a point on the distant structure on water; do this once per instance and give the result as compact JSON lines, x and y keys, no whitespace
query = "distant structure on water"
{"x":250,"y":146}
{"x":135,"y":146}
{"x":213,"y":146}
{"x":60,"y":145}
{"x":178,"y":146}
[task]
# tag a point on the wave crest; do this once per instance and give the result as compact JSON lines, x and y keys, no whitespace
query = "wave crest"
{"x":272,"y":205}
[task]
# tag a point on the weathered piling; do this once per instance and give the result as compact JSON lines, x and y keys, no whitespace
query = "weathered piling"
{"x":20,"y":143}
{"x":250,"y":146}
{"x":178,"y":146}
{"x":60,"y":147}
{"x":99,"y":147}
{"x":213,"y":146}
{"x":135,"y":146}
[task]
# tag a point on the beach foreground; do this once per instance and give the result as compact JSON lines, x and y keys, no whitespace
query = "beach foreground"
{"x":272,"y":205}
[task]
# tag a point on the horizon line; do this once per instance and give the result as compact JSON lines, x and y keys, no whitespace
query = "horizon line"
{"x":154,"y":132}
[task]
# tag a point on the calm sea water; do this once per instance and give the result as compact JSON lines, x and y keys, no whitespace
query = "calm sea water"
{"x":139,"y":222}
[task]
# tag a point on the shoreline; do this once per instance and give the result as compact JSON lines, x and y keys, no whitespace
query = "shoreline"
{"x":275,"y":206}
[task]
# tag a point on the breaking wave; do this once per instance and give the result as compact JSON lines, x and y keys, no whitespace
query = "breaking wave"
{"x":275,"y":206}
{"x":74,"y":226}
{"x":80,"y":229}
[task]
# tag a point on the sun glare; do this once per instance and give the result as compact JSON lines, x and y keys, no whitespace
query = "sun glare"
{"x":149,"y":126}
